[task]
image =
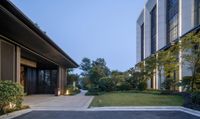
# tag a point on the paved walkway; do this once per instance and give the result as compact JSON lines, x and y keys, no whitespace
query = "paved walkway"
{"x":51,"y":102}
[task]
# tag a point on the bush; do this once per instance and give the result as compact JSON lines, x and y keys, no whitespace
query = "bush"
{"x":71,"y":90}
{"x":93,"y":88}
{"x":85,"y":82}
{"x":166,"y":92}
{"x":133,"y":81}
{"x":124,"y":86}
{"x":106,"y":84}
{"x":168,"y":84}
{"x":93,"y":93}
{"x":10,"y":93}
{"x":186,"y":83}
{"x":142,"y":86}
{"x":196,"y":98}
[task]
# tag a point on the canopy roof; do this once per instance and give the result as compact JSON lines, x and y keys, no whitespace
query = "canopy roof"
{"x":15,"y":26}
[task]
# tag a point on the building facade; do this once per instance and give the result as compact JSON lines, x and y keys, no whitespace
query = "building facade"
{"x":28,"y":56}
{"x":162,"y":22}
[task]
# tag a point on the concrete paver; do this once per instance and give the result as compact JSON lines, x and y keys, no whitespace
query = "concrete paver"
{"x":49,"y":102}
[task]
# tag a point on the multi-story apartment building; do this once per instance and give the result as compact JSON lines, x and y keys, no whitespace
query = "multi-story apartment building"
{"x":162,"y":22}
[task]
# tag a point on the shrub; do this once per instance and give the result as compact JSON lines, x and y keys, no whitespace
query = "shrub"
{"x":71,"y":90}
{"x":85,"y":82}
{"x":196,"y":98}
{"x":133,"y":81}
{"x":142,"y":86}
{"x":106,"y":84}
{"x":124,"y":86}
{"x":168,"y":84}
{"x":186,"y":83}
{"x":10,"y":93}
{"x":93,"y":88}
{"x":93,"y":93}
{"x":166,"y":92}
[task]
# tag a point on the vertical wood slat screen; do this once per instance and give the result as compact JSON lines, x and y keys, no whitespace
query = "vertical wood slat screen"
{"x":7,"y":61}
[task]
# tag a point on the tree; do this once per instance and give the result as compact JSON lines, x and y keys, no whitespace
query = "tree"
{"x":106,"y":84}
{"x":141,"y":69}
{"x":170,"y":60}
{"x":85,"y":66}
{"x":167,"y":61}
{"x":98,"y":70}
{"x":93,"y":71}
{"x":190,"y":46}
{"x":101,"y":63}
{"x":134,"y":80}
{"x":150,"y":66}
{"x":117,"y":77}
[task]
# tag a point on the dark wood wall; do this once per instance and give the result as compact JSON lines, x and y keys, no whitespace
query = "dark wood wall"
{"x":7,"y":61}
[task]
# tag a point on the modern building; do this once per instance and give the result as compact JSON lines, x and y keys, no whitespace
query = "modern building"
{"x":28,"y":56}
{"x":161,"y":23}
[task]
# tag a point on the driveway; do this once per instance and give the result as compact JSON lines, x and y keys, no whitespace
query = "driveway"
{"x":51,"y":102}
{"x":107,"y":115}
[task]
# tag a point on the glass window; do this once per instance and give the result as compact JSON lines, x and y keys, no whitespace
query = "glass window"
{"x":142,"y":41}
{"x":172,"y":20}
{"x":197,"y":12}
{"x":153,"y":30}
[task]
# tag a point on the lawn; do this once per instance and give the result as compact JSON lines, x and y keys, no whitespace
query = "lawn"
{"x":136,"y":99}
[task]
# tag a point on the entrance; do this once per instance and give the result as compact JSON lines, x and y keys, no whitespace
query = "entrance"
{"x":36,"y":81}
{"x":28,"y":80}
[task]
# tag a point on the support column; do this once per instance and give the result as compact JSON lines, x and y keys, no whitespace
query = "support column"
{"x":18,"y":59}
{"x":180,"y":33}
{"x":154,"y":81}
{"x":180,"y":68}
{"x":61,"y":81}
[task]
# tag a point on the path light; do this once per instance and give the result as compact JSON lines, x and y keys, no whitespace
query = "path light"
{"x":67,"y":92}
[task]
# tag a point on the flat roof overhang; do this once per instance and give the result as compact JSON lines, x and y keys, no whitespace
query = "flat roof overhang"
{"x":15,"y":26}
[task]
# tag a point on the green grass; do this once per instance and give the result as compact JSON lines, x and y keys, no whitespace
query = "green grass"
{"x":136,"y":99}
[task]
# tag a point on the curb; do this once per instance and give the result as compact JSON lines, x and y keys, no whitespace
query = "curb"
{"x":148,"y":108}
{"x":15,"y":114}
{"x":89,"y":102}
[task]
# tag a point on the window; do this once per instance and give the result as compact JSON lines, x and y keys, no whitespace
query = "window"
{"x":153,"y":30}
{"x":172,"y":20}
{"x":197,"y":12}
{"x":142,"y":42}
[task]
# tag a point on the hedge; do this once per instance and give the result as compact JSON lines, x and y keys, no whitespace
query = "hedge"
{"x":11,"y":96}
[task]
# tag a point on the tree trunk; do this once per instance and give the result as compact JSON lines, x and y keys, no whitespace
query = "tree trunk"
{"x":160,"y":78}
{"x":193,"y":78}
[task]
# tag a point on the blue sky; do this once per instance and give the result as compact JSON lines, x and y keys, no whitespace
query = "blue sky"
{"x":89,"y":28}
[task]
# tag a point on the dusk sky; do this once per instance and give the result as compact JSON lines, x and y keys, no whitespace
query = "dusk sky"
{"x":89,"y":28}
